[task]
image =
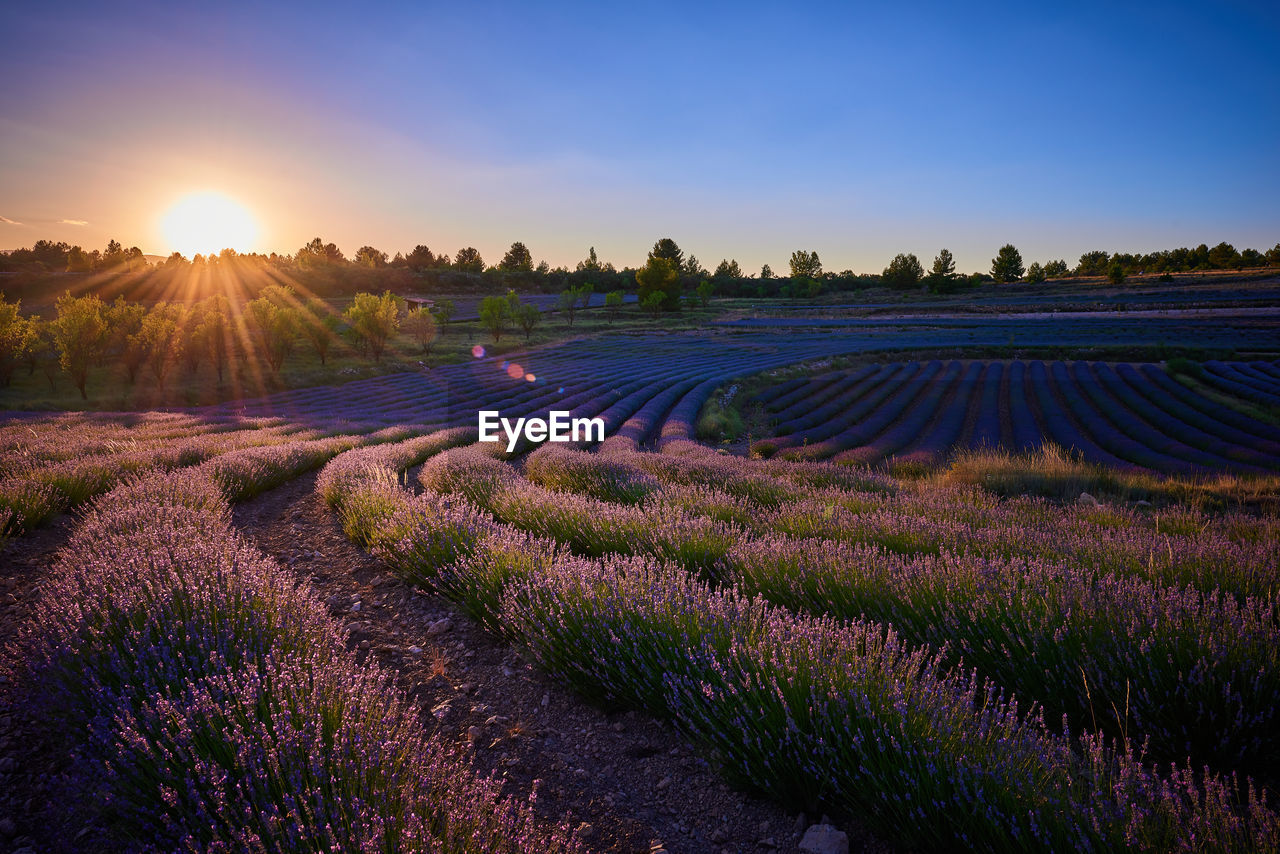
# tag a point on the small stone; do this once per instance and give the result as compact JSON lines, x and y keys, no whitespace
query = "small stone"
{"x":1087,"y":500}
{"x":618,"y":726}
{"x":546,"y":698}
{"x":824,"y":839}
{"x":719,"y":836}
{"x":663,"y":783}
{"x":801,"y":823}
{"x":585,"y":830}
{"x":474,"y":734}
{"x":7,"y":827}
{"x":439,"y":627}
{"x":466,"y":687}
{"x":1143,"y":505}
{"x":767,"y":842}
{"x":416,"y":650}
{"x":355,"y":606}
{"x":507,"y":671}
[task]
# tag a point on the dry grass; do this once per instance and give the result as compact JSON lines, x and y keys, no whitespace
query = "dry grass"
{"x":1054,"y":473}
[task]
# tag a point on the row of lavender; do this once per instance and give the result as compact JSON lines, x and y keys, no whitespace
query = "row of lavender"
{"x":1124,"y":416}
{"x":207,"y":701}
{"x":51,"y":465}
{"x":953,"y":568}
{"x":822,"y":713}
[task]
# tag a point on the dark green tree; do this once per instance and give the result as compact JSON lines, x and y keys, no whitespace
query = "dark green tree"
{"x":1007,"y":265}
{"x":518,"y":259}
{"x":903,"y":273}
{"x":468,"y":260}
{"x":805,"y":265}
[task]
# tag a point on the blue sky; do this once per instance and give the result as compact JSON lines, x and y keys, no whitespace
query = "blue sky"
{"x":741,"y":130}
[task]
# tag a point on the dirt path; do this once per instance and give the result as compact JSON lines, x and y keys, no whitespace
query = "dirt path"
{"x":632,"y":779}
{"x":25,"y":759}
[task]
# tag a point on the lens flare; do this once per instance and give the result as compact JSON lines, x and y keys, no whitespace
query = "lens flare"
{"x":515,"y":371}
{"x":478,"y":351}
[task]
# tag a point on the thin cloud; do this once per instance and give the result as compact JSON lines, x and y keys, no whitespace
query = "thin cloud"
{"x":7,"y":221}
{"x":73,"y":222}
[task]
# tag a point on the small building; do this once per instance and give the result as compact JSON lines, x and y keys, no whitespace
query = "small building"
{"x":412,"y":302}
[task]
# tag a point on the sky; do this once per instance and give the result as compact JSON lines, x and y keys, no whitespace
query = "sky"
{"x":741,"y":130}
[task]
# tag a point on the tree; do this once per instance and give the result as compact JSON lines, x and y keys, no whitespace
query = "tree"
{"x":658,"y":276}
{"x":443,"y":310}
{"x":591,"y":264}
{"x":1036,"y":273}
{"x":903,"y":273}
{"x":705,"y":290}
{"x":568,"y":304}
{"x":1115,"y":273}
{"x":421,"y":259}
{"x":528,"y":316}
{"x":1055,"y":269}
{"x":319,"y":325}
{"x":1273,"y":256}
{"x":942,"y":275}
{"x":374,"y":319}
{"x":654,"y":302}
{"x":766,"y":272}
{"x":1007,"y":265}
{"x":613,"y":304}
{"x":495,"y":316}
{"x":367,"y":256}
{"x":317,"y":253}
{"x":518,"y":259}
{"x":17,"y":338}
{"x":276,"y":321}
{"x":805,"y":265}
{"x":667,"y":249}
{"x":469,"y":261}
{"x":693,"y":267}
{"x":1224,"y":256}
{"x":1093,"y":263}
{"x":79,"y":333}
{"x":421,"y":324}
{"x":215,"y":319}
{"x":161,"y":338}
{"x":728,"y":270}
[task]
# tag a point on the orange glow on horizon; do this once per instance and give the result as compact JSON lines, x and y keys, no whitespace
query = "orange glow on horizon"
{"x":207,"y":222}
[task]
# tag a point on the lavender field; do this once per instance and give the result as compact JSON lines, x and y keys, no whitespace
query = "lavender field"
{"x":828,"y":616}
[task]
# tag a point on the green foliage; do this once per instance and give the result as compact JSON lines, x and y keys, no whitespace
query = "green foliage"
{"x":654,"y":303}
{"x":421,"y":324}
{"x":1036,"y":273}
{"x":368,"y":256}
{"x":17,"y":338}
{"x":468,"y":260}
{"x":805,"y":265}
{"x":161,"y":338}
{"x":1056,"y":269}
{"x":528,"y":316}
{"x":319,"y":325}
{"x":374,"y":320}
{"x":667,"y":249}
{"x":517,"y":260}
{"x":1179,"y":365}
{"x":79,"y":332}
{"x":1115,"y":273}
{"x":1093,"y":263}
{"x":728,"y":270}
{"x":443,"y":310}
{"x":658,"y":276}
{"x":613,"y":304}
{"x":766,"y":272}
{"x":1007,"y":265}
{"x":903,"y":273}
{"x":495,"y":316}
{"x":705,"y":290}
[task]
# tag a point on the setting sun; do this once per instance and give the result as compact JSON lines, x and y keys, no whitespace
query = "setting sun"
{"x":207,"y":223}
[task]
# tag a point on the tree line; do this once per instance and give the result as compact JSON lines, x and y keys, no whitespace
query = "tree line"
{"x":325,"y":270}
{"x":157,"y":339}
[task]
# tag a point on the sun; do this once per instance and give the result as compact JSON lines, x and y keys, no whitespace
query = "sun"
{"x":208,"y":222}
